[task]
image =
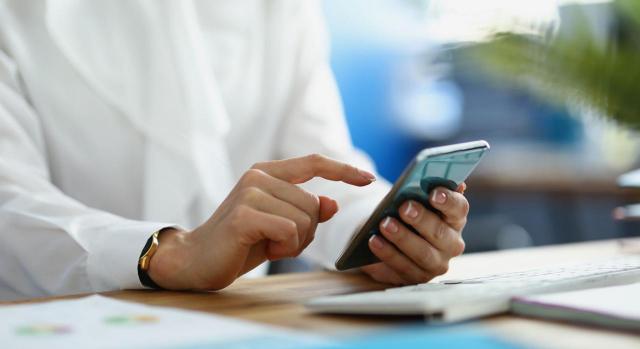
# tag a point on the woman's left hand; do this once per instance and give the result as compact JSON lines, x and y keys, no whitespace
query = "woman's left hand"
{"x":409,"y":258}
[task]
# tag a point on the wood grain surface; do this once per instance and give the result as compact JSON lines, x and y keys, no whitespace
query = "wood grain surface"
{"x":279,"y":299}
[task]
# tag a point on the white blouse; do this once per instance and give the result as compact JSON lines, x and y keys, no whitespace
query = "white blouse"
{"x":119,"y":117}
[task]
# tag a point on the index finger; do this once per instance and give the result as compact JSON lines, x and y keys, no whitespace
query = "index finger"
{"x":302,"y":169}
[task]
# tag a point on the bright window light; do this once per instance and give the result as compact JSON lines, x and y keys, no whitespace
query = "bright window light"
{"x":472,"y":20}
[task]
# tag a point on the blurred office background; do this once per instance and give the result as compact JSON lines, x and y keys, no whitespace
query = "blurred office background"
{"x":406,"y":84}
{"x":551,"y":175}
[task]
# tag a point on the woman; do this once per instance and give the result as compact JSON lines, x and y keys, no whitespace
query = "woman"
{"x":124,"y":118}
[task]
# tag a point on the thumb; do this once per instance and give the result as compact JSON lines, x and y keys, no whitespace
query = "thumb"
{"x":328,"y":208}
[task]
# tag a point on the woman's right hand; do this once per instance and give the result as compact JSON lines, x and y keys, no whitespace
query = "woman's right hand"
{"x":265,"y":217}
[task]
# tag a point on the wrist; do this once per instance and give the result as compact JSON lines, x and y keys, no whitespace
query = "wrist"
{"x":167,"y":266}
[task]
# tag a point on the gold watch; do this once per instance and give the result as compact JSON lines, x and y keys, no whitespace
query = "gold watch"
{"x":144,"y":261}
{"x":148,"y":252}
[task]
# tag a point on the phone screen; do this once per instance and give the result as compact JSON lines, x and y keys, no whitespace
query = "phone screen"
{"x":446,"y":166}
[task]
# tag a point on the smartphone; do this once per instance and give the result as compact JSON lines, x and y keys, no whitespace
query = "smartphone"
{"x":446,"y":166}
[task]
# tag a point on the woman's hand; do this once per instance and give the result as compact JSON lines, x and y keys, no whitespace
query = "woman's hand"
{"x":265,"y":217}
{"x":409,"y":258}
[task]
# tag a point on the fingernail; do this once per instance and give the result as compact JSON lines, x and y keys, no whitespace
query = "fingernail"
{"x":367,"y":175}
{"x":439,"y":197}
{"x":389,"y":225}
{"x":411,"y":210}
{"x":376,"y":242}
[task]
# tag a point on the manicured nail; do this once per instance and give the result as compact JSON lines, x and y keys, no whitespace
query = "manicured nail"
{"x":376,"y":242}
{"x":389,"y":225}
{"x":367,"y":175}
{"x":439,"y":197}
{"x":411,"y":210}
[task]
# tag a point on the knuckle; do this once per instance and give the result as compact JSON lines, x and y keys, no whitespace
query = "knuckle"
{"x":316,"y":202}
{"x":465,"y":207}
{"x":251,"y":176}
{"x":313,"y":200}
{"x":306,"y":223}
{"x":316,"y":157}
{"x":426,"y":260}
{"x":315,"y":161}
{"x":291,"y":229}
{"x":291,"y":234}
{"x":242,"y":211}
{"x":251,"y":194}
{"x":441,"y":230}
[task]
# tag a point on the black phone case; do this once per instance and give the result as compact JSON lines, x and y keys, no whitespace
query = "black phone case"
{"x":362,"y":255}
{"x":452,"y":164}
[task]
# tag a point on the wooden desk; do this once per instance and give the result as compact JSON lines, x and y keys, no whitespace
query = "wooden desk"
{"x":278,"y":299}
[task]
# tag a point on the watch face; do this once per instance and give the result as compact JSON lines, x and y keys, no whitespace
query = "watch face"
{"x":148,"y":251}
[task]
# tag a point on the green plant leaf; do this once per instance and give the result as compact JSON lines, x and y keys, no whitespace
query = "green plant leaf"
{"x":577,"y":68}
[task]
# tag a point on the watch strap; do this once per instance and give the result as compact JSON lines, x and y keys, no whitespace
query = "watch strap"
{"x":143,"y":275}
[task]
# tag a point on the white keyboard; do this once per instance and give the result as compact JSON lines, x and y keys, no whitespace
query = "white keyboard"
{"x":455,"y":300}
